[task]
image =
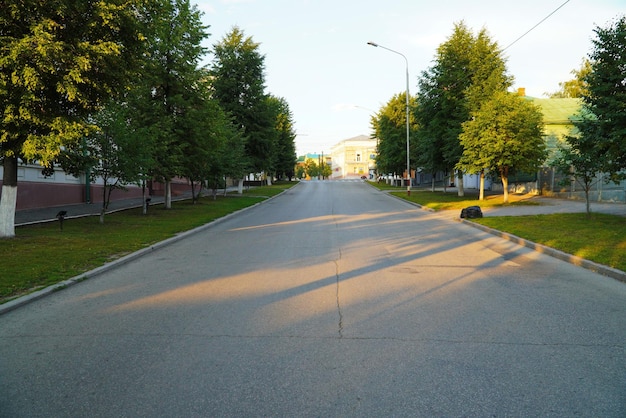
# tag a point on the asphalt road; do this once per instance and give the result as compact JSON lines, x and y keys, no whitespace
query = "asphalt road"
{"x":330,"y":300}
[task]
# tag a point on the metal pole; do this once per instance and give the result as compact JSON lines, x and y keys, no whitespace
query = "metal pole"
{"x":408,"y":163}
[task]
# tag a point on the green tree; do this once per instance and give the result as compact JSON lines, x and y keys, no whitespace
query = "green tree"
{"x":580,"y":157}
{"x":60,"y":61}
{"x":170,"y":90}
{"x":285,"y":146}
{"x":300,"y":172}
{"x":112,"y":153}
{"x":239,"y":86}
{"x":576,"y":87}
{"x":606,"y":96}
{"x":469,"y":69}
{"x":325,"y":170}
{"x":389,"y":127}
{"x":505,"y":136}
{"x":311,"y":168}
{"x":200,"y":128}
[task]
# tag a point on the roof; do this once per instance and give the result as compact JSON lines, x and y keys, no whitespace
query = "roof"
{"x":558,"y":111}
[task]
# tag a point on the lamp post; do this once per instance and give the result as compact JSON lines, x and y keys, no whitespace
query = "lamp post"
{"x":408,"y":166}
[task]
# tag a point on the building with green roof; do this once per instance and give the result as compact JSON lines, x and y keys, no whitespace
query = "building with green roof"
{"x":558,"y":118}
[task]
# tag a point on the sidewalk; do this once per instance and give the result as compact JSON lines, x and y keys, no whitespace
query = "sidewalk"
{"x":548,"y":205}
{"x":38,"y":215}
{"x":544,"y":206}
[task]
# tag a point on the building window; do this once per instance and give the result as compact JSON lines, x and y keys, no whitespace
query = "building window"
{"x":358,"y":157}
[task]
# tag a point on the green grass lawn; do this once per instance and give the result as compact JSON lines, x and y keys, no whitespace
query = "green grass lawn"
{"x":600,"y":238}
{"x":41,"y":255}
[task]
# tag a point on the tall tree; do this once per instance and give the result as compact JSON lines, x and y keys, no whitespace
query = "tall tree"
{"x":468,"y":70}
{"x":504,"y":136}
{"x":285,"y":147}
{"x":239,"y":86}
{"x":389,"y":128}
{"x":169,"y":90}
{"x":59,"y":61}
{"x":606,"y":95}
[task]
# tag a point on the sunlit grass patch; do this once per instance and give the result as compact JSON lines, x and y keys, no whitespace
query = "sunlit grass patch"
{"x":448,"y":201}
{"x":600,"y":238}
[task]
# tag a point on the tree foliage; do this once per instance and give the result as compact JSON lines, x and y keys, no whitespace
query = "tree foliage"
{"x":284,"y":147}
{"x":59,"y":61}
{"x":169,"y":94}
{"x":389,"y":127}
{"x":113,"y":152}
{"x":580,"y":156}
{"x":469,"y":69}
{"x":504,"y":136}
{"x":239,"y":87}
{"x":606,"y":96}
{"x":311,"y":168}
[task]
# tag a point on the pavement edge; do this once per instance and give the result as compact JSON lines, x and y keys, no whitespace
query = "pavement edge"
{"x":572,"y":259}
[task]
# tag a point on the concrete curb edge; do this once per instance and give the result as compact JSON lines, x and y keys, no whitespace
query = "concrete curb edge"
{"x":572,"y":259}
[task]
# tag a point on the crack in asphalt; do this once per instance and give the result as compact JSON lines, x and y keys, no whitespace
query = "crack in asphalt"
{"x":340,"y":331}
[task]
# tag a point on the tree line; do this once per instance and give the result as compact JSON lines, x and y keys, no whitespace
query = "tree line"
{"x":464,"y":119}
{"x":115,"y":89}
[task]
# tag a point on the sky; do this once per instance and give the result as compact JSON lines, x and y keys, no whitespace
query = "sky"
{"x":317,"y":57}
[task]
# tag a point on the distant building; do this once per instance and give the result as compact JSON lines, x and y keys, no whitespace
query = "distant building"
{"x":558,"y":117}
{"x":354,"y":157}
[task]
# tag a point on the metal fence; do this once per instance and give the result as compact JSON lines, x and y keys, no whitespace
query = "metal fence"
{"x":552,"y":183}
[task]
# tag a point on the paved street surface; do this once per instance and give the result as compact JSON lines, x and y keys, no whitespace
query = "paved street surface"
{"x":331,"y":300}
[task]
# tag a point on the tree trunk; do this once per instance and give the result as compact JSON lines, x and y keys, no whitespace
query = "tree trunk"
{"x":481,"y":193}
{"x":240,"y":186}
{"x":504,"y":175}
{"x":8,"y":199}
{"x":168,"y":194}
{"x":587,"y":202}
{"x":461,"y":189}
{"x":144,"y":197}
{"x":193,"y":192}
{"x":104,"y":201}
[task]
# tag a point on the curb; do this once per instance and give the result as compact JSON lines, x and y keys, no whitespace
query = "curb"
{"x":31,"y":297}
{"x":540,"y":248}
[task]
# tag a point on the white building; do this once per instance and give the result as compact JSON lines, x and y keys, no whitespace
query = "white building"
{"x":354,"y":157}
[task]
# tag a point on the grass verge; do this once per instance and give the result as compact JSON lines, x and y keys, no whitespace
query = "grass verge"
{"x":41,"y":255}
{"x":600,"y":238}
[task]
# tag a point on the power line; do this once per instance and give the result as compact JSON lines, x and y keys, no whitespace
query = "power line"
{"x":531,"y":29}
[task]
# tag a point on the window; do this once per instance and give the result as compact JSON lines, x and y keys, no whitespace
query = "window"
{"x":358,"y":157}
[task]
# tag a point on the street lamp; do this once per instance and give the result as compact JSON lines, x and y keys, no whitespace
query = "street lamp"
{"x":408,"y":167}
